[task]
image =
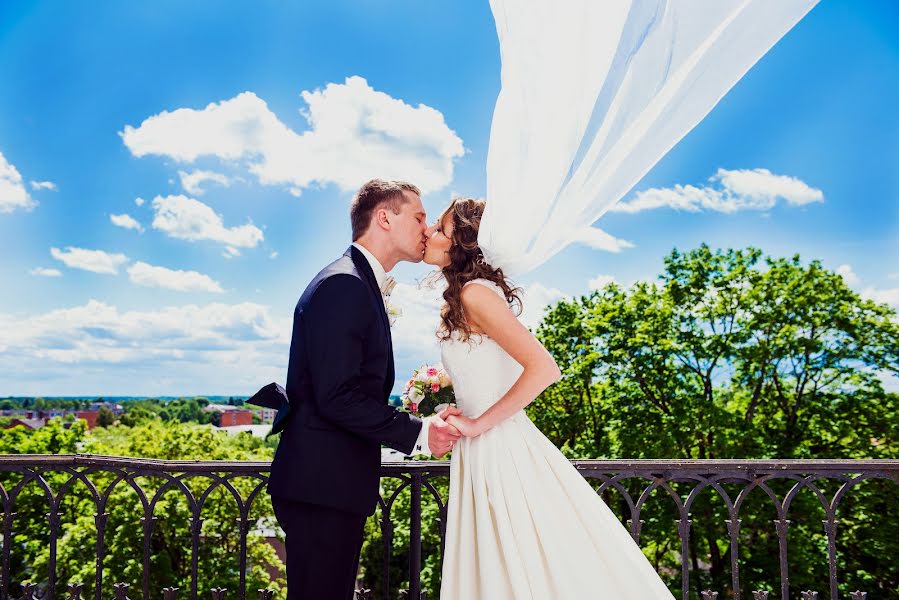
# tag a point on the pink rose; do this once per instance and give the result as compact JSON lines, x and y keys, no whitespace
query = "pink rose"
{"x":435,"y":387}
{"x":413,"y":407}
{"x":432,"y":372}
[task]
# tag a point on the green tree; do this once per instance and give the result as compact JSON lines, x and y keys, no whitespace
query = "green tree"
{"x":730,"y":355}
{"x":105,"y":417}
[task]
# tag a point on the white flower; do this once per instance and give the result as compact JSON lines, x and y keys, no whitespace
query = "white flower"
{"x":416,"y":395}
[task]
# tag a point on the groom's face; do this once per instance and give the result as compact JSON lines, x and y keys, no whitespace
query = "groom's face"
{"x":408,"y":228}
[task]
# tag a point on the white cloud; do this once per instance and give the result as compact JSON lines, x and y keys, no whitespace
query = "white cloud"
{"x":230,"y":252}
{"x":96,"y":261}
{"x":600,"y":240}
{"x":43,"y":185}
{"x":189,"y":219}
{"x":883,"y":296}
{"x":273,"y":255}
{"x":601,"y":281}
{"x":139,"y":201}
{"x":355,"y":133}
{"x":97,"y":349}
{"x":414,"y":332}
{"x":848,"y":275}
{"x":535,"y":299}
{"x":126,"y":221}
{"x":13,"y":194}
{"x":181,"y":281}
{"x":889,"y":296}
{"x":193,"y":182}
{"x":731,"y":191}
{"x":45,"y":272}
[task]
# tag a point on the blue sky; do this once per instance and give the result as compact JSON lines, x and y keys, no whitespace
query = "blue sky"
{"x":105,"y":103}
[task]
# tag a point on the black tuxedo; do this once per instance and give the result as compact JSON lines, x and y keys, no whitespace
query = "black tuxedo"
{"x":325,"y":474}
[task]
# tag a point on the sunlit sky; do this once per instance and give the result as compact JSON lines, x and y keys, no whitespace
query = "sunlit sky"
{"x":172,"y":174}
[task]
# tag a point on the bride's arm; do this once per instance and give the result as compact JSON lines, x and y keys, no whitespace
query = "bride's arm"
{"x":487,"y":312}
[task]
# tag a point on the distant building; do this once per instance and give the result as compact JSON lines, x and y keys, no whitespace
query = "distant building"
{"x":38,"y":418}
{"x":266,"y":415}
{"x":90,"y":416}
{"x":231,"y":416}
{"x":25,"y":422}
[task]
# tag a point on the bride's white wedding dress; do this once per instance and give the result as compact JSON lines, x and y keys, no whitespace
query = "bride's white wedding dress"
{"x":522,"y":522}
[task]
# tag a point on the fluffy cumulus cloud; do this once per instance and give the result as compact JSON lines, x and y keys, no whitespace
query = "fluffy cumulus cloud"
{"x":889,"y":296}
{"x":354,"y":132}
{"x":536,"y":298}
{"x":728,"y":192}
{"x":848,"y":275}
{"x":147,"y":275}
{"x":600,"y":240}
{"x":414,"y":331}
{"x":43,"y":185}
{"x":45,"y":272}
{"x":882,"y":295}
{"x":189,"y":219}
{"x":194,"y":182}
{"x":96,"y":348}
{"x":125,"y":221}
{"x":600,"y":281}
{"x":13,"y":194}
{"x":96,"y":261}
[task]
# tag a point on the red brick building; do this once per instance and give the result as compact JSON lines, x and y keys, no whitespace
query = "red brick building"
{"x":88,"y":415}
{"x":230,"y":418}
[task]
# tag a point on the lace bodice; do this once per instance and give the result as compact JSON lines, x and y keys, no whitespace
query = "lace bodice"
{"x":480,"y":369}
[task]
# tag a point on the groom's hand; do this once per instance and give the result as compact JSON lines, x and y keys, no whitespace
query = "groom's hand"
{"x":441,"y":435}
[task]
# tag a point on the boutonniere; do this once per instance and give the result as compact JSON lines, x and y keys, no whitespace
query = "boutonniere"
{"x":393,"y":312}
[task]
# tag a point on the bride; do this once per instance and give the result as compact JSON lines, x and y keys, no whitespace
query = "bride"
{"x":522,"y":522}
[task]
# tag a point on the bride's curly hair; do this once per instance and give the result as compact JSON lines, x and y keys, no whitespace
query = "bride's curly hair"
{"x":467,"y":263}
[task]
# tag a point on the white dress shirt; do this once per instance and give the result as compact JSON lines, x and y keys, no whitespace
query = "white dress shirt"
{"x":421,"y":444}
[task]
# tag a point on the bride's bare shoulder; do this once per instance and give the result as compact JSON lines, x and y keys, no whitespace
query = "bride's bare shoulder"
{"x":482,"y":303}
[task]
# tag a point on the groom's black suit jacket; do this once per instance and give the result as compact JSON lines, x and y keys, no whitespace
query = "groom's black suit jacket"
{"x":338,"y":385}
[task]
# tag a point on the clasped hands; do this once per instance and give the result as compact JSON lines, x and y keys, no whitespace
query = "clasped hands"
{"x":446,"y":427}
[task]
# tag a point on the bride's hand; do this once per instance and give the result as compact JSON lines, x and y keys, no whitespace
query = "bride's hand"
{"x":467,"y":426}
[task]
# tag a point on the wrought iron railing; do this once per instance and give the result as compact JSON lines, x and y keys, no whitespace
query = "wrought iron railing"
{"x":628,"y":485}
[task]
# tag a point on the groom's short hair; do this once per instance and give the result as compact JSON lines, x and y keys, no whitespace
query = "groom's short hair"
{"x":371,"y":196}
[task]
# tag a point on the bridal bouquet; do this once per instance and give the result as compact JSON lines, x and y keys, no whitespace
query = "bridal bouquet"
{"x":428,"y":391}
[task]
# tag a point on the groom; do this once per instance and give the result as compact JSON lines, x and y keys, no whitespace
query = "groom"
{"x":326,"y":472}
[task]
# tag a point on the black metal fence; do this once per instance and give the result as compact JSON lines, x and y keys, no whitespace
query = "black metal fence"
{"x":627,"y":485}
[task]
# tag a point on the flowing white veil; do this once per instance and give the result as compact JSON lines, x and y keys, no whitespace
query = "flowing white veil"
{"x":596,"y":92}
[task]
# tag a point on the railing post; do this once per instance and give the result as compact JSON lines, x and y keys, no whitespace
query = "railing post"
{"x":100,"y":520}
{"x":415,"y":537}
{"x":7,"y":544}
{"x":783,"y":526}
{"x":147,"y":523}
{"x":683,"y":529}
{"x":830,"y":528}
